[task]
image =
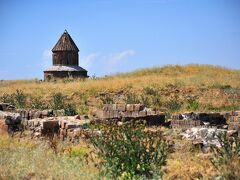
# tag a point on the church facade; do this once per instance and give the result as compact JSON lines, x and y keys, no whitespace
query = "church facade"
{"x":65,"y":60}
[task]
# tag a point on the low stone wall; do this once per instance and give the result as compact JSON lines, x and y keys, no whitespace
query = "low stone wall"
{"x":27,"y":114}
{"x":130,"y":112}
{"x":188,"y":120}
{"x":210,"y":118}
{"x":185,"y":123}
{"x":6,"y":107}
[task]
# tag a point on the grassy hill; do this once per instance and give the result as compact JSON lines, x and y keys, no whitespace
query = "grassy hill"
{"x":168,"y":88}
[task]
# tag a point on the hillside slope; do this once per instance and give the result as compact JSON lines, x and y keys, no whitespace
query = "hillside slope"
{"x":168,"y":88}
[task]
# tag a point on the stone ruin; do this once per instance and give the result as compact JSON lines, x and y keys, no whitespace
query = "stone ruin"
{"x":130,"y":112}
{"x":49,"y":122}
{"x":204,"y":128}
{"x":196,"y":119}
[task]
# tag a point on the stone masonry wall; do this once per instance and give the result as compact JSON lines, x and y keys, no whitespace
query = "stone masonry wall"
{"x":130,"y":112}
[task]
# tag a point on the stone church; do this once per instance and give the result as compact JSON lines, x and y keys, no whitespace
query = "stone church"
{"x":65,"y":60}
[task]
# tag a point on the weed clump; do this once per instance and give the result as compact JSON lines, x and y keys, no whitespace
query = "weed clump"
{"x":18,"y":99}
{"x":58,"y":102}
{"x":226,"y":159}
{"x":129,"y":151}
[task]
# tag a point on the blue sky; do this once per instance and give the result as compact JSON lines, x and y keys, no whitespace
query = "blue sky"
{"x":118,"y":35}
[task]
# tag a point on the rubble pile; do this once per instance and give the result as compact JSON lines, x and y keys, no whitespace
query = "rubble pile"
{"x":130,"y":112}
{"x":205,"y":136}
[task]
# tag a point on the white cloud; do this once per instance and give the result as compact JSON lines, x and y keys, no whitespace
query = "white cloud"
{"x":47,"y":58}
{"x":118,"y":57}
{"x":87,"y":62}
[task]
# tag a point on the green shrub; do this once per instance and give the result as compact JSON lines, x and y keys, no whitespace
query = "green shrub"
{"x":173,"y":105}
{"x":57,"y":101}
{"x":82,"y":109}
{"x":20,"y":99}
{"x":149,"y":90}
{"x":192,"y":103}
{"x":70,"y":110}
{"x":38,"y":103}
{"x":8,"y":98}
{"x":107,"y":99}
{"x":226,"y":158}
{"x":145,"y":100}
{"x":128,"y":151}
{"x":131,"y":98}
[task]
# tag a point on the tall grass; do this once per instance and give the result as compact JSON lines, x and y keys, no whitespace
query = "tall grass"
{"x":26,"y":159}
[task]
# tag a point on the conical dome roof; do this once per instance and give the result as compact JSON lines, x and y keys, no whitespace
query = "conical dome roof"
{"x":65,"y":43}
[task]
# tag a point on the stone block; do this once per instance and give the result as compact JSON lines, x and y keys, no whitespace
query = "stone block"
{"x":138,"y":107}
{"x":37,"y":114}
{"x":128,"y":113}
{"x":53,"y":124}
{"x":122,"y":114}
{"x":135,"y":114}
{"x":116,"y":114}
{"x":106,"y":114}
{"x":100,"y":114}
{"x":63,"y":124}
{"x":121,"y":107}
{"x":150,"y":111}
{"x":24,"y":114}
{"x":31,"y":114}
{"x":105,"y":107}
{"x":114,"y":107}
{"x":70,"y":126}
{"x":129,"y":107}
{"x":45,"y":113}
{"x":111,"y":114}
{"x":3,"y":106}
{"x":110,"y":107}
{"x":142,"y":113}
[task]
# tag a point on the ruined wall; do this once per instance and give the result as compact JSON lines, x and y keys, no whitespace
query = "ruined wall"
{"x":131,"y":112}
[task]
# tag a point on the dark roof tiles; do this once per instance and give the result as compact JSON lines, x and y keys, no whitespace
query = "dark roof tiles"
{"x":65,"y":43}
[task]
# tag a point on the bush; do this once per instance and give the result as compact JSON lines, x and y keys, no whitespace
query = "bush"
{"x":20,"y":99}
{"x":192,"y":104}
{"x":173,"y":105}
{"x":17,"y":99}
{"x":107,"y":99}
{"x":70,"y":110}
{"x":58,"y":101}
{"x":8,"y":98}
{"x":38,"y":103}
{"x":128,"y":151}
{"x":226,"y":158}
{"x":131,"y":98}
